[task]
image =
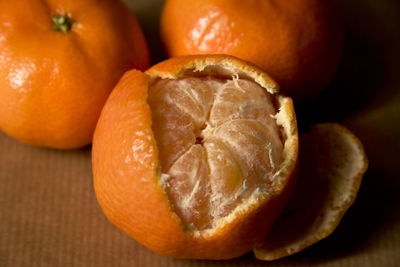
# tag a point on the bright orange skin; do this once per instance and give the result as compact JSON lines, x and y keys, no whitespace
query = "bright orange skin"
{"x":298,"y":42}
{"x":54,"y":84}
{"x":125,"y":161}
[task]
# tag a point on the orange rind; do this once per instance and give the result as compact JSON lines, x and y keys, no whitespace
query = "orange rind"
{"x":332,"y":164}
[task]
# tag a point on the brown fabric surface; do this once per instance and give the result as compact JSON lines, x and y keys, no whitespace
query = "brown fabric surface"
{"x":48,"y":211}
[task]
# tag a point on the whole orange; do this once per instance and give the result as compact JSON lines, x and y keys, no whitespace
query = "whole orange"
{"x":196,"y":157}
{"x":299,"y":42}
{"x":59,"y":60}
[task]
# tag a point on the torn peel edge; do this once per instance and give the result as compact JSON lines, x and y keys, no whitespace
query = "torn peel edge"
{"x":226,"y":66}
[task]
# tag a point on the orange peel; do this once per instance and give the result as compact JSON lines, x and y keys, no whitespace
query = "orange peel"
{"x":332,"y":164}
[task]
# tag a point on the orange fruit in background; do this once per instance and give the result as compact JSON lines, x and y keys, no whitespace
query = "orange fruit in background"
{"x":59,"y":60}
{"x":298,"y":42}
{"x":196,"y":157}
{"x":332,"y":164}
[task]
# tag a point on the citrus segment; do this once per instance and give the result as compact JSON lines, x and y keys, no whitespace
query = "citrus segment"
{"x":187,"y":187}
{"x":332,"y":163}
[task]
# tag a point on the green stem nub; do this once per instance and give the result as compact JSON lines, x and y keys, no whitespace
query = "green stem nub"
{"x":62,"y":23}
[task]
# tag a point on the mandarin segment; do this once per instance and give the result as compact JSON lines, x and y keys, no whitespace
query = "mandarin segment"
{"x":174,"y":132}
{"x":241,"y":99}
{"x":189,"y":95}
{"x":227,"y":181}
{"x":226,"y":176}
{"x":187,"y":188}
{"x":258,"y":148}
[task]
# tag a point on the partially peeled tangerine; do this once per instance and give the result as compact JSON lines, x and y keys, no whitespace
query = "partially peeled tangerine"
{"x":197,"y":157}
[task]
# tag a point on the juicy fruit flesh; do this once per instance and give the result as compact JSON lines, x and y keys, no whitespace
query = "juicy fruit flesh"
{"x":218,"y":144}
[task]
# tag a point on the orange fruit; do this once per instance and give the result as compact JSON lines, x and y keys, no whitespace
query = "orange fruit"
{"x":59,"y":60}
{"x":196,"y":157}
{"x":332,"y":163}
{"x":298,"y":42}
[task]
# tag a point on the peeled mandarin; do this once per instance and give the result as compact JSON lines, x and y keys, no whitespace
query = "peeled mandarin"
{"x":196,"y":158}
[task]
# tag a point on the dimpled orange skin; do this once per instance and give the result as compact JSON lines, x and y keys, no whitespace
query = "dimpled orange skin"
{"x":298,"y":42}
{"x":54,"y":84}
{"x":129,"y":191}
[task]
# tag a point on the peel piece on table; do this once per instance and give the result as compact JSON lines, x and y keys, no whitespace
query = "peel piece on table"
{"x":332,"y":164}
